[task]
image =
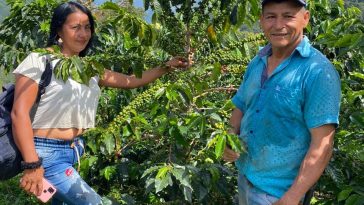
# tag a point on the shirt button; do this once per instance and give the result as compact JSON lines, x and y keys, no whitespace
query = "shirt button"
{"x":257,"y":111}
{"x":251,"y":131}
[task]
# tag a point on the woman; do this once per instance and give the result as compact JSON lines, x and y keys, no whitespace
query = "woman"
{"x":48,"y":139}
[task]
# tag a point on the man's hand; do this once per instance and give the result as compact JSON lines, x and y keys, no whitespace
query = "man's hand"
{"x":229,"y":155}
{"x":286,"y":200}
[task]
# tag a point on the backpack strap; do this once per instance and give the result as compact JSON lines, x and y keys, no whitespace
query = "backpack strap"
{"x":45,"y":79}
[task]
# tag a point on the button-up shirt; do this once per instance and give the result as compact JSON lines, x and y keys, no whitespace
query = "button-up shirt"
{"x":302,"y":93}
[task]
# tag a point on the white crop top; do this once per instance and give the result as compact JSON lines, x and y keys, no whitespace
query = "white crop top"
{"x":64,"y":104}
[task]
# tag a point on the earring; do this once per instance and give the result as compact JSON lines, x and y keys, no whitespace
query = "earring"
{"x":60,"y":41}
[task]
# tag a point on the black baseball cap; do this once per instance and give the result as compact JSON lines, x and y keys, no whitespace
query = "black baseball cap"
{"x":302,"y":2}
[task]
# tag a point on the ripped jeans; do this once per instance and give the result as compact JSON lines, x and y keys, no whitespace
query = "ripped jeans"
{"x":58,"y":158}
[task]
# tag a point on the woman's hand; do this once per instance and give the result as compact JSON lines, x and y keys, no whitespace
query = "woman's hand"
{"x":32,"y":181}
{"x":177,"y":62}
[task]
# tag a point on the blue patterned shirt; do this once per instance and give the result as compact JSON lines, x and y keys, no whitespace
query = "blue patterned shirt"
{"x":302,"y":93}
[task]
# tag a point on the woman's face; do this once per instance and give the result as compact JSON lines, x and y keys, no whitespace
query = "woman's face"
{"x":75,"y":33}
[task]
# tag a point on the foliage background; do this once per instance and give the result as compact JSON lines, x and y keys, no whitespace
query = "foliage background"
{"x":162,"y":144}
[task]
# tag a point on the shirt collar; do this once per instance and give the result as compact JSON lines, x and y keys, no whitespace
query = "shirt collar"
{"x":303,"y":49}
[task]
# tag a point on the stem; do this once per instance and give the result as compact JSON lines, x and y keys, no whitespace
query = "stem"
{"x":170,"y":154}
{"x":192,"y":144}
{"x":189,"y":51}
{"x":133,"y":141}
{"x":227,"y":89}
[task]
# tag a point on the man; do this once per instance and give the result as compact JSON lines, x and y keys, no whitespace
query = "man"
{"x":286,"y":111}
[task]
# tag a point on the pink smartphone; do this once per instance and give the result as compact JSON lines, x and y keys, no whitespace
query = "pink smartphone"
{"x":48,"y":191}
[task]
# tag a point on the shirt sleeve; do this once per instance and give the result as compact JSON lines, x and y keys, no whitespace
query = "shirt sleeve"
{"x":237,"y":99}
{"x":32,"y":67}
{"x":322,"y":102}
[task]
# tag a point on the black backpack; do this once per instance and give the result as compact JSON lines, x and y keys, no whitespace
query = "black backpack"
{"x":10,"y":156}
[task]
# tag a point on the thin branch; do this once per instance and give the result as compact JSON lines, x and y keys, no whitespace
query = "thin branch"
{"x":226,"y":89}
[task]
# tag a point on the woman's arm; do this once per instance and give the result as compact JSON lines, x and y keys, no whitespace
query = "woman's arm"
{"x":25,"y":95}
{"x":119,"y":80}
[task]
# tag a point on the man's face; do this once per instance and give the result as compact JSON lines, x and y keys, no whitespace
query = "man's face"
{"x":283,"y":24}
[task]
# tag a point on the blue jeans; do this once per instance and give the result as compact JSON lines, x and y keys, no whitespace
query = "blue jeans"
{"x":58,"y":158}
{"x":250,"y":195}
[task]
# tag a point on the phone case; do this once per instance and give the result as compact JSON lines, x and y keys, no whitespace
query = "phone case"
{"x":48,"y":191}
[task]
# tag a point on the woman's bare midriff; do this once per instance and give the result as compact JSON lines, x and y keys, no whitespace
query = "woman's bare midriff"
{"x":58,"y":133}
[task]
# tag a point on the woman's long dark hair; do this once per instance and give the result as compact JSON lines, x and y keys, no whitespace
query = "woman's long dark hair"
{"x":59,"y":17}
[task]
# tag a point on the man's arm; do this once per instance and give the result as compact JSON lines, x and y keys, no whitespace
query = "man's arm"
{"x":314,"y":163}
{"x":235,"y":119}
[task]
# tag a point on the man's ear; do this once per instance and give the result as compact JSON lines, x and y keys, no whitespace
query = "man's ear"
{"x":306,"y":17}
{"x":261,"y":20}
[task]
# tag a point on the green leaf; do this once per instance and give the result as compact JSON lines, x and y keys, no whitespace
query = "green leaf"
{"x":254,"y":7}
{"x":194,"y":122}
{"x":234,"y":142}
{"x":173,"y":131}
{"x":213,"y":140}
{"x":226,"y":24}
{"x":187,"y":192}
{"x":128,"y":43}
{"x":358,"y":118}
{"x":216,"y":117}
{"x":181,"y":175}
{"x":184,"y":96}
{"x":347,"y":39}
{"x":150,"y":170}
{"x":155,"y":17}
{"x":92,"y":160}
{"x":220,"y":146}
{"x":160,"y":92}
{"x":361,"y":156}
{"x":161,"y":183}
{"x":108,"y":172}
{"x":141,"y":33}
{"x":109,"y":142}
{"x":357,"y":74}
{"x":126,"y":131}
{"x":162,"y":172}
{"x":234,"y":15}
{"x":203,"y":126}
{"x":110,"y":5}
{"x":211,"y":33}
{"x":242,"y":12}
{"x":216,"y":72}
{"x":355,"y":199}
{"x":138,"y":68}
{"x":215,"y":174}
{"x":344,"y":194}
{"x":75,"y":75}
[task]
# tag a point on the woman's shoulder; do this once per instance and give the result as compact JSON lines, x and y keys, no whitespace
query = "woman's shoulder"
{"x":32,"y":65}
